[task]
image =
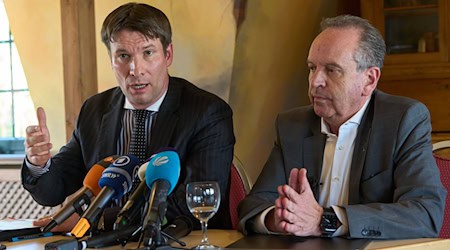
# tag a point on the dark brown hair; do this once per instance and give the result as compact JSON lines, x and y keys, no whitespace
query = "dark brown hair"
{"x":143,"y":18}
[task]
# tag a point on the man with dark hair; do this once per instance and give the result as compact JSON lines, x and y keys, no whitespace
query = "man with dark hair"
{"x":365,"y":158}
{"x":197,"y":124}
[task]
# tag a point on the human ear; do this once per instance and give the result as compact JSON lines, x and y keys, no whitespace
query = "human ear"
{"x":372,"y":76}
{"x":169,"y":54}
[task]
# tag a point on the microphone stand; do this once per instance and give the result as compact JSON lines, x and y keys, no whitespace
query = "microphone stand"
{"x":163,"y":242}
{"x":170,"y":237}
{"x":154,"y":238}
{"x":152,"y":233}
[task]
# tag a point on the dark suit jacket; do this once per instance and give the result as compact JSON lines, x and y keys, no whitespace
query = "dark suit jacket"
{"x":394,"y":188}
{"x":196,"y":123}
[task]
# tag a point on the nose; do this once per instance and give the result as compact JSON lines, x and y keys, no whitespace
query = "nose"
{"x":317,"y":78}
{"x":136,"y":67}
{"x":132,"y":68}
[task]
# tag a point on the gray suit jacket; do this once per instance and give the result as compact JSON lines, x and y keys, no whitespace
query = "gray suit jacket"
{"x":394,"y":188}
{"x":196,"y":123}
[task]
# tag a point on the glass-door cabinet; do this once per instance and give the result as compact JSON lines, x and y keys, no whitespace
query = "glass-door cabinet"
{"x":417,"y":63}
{"x":415,"y":31}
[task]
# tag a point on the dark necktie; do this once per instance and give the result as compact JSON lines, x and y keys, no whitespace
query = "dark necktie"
{"x":138,"y":145}
{"x":138,"y":142}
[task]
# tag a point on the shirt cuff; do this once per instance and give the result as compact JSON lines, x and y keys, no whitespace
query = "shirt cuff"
{"x":342,"y":216}
{"x":37,"y":171}
{"x":259,"y":226}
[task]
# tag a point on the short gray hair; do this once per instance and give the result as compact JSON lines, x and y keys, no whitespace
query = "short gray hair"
{"x":372,"y":47}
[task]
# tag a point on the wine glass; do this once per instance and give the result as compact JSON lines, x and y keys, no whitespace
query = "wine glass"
{"x":203,"y":200}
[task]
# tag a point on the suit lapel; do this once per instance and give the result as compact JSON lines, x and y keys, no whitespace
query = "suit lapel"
{"x":110,"y":127}
{"x":359,"y":153}
{"x":313,"y":156}
{"x":167,"y":117}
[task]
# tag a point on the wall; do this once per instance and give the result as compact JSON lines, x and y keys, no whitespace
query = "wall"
{"x":37,"y":33}
{"x":269,"y":71}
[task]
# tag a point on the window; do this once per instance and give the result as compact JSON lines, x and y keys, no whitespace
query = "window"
{"x":16,"y":106}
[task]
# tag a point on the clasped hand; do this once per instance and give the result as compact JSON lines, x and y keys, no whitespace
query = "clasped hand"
{"x":296,"y":209}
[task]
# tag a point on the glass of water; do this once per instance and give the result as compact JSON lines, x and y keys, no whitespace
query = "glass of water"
{"x":203,"y":200}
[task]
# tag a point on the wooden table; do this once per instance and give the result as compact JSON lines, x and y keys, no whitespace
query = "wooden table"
{"x":411,"y":244}
{"x":224,"y":238}
{"x":220,"y":238}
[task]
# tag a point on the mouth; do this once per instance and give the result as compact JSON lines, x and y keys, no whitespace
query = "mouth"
{"x":315,"y":95}
{"x":138,"y":86}
{"x":320,"y":99}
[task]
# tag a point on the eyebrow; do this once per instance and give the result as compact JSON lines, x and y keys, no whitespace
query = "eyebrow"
{"x":121,"y":50}
{"x":150,"y":46}
{"x":335,"y":65}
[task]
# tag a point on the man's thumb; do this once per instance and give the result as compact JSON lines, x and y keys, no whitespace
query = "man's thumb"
{"x":42,"y":120}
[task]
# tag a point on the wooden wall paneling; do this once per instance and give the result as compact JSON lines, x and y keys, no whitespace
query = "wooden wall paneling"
{"x":79,"y":56}
{"x":434,"y":93}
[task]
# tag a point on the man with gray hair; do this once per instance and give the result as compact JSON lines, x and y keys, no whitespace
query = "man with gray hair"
{"x":357,"y":162}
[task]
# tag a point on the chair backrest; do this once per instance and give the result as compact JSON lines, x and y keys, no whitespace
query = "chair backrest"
{"x":441,"y":145}
{"x":444,"y":167}
{"x":240,"y":186}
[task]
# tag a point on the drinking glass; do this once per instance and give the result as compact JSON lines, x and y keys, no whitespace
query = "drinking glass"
{"x":203,"y":200}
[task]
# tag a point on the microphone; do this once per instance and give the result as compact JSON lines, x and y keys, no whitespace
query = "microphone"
{"x":83,"y":195}
{"x":111,"y":238}
{"x":161,"y":176}
{"x":115,"y":182}
{"x":132,"y":207}
{"x":135,"y":203}
{"x":102,"y":240}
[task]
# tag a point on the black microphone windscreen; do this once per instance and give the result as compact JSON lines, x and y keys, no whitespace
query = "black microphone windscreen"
{"x":112,"y":237}
{"x":179,"y":227}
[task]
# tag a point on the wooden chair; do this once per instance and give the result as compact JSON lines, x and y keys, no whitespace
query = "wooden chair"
{"x":444,"y":167}
{"x":240,"y":186}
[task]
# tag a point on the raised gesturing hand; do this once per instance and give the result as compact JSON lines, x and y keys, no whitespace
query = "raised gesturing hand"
{"x":37,"y":141}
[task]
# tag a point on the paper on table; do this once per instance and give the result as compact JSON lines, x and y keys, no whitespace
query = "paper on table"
{"x":14,"y":224}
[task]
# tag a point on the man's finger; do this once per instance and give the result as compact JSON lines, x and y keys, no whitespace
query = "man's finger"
{"x":42,"y":120}
{"x":280,"y":191}
{"x":293,"y":180}
{"x":32,"y":129}
{"x":42,"y":221}
{"x":303,"y":180}
{"x":291,"y":195}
